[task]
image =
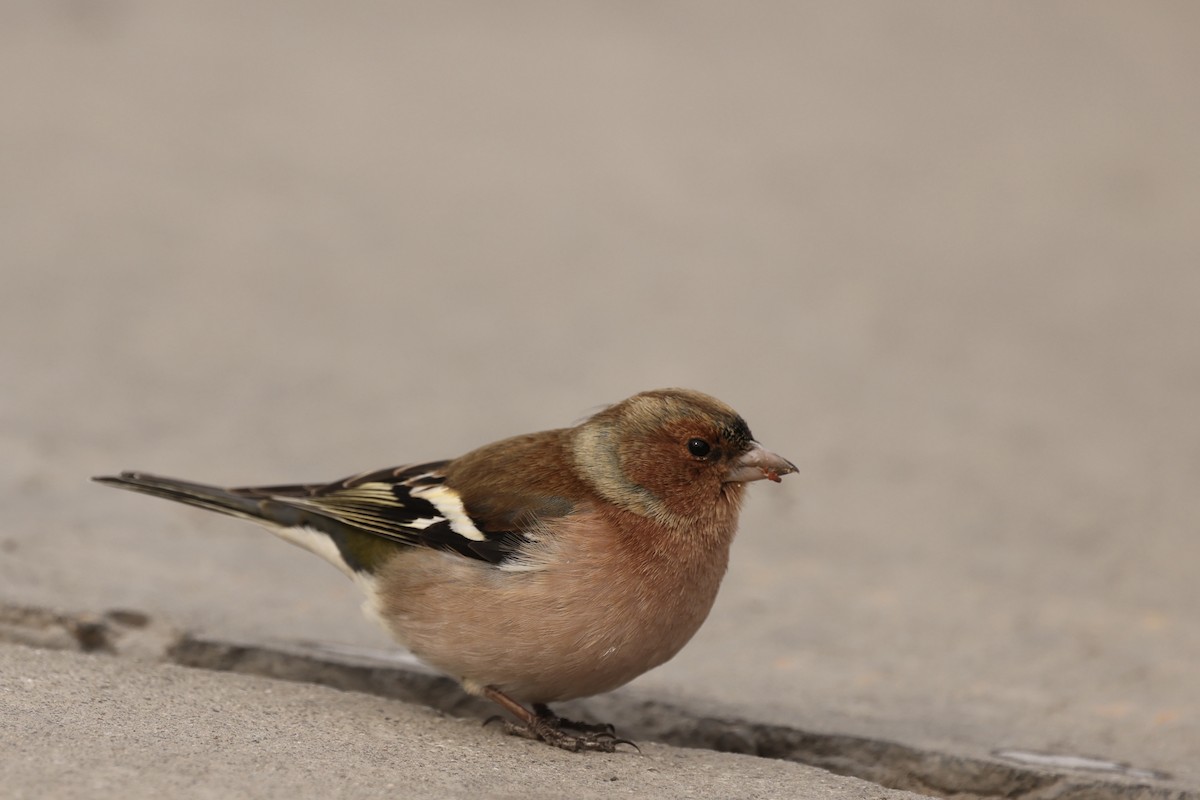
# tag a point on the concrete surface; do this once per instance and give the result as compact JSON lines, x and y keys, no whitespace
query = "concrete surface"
{"x":87,"y":721}
{"x":943,"y":256}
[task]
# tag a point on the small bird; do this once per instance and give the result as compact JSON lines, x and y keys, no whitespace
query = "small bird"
{"x":539,"y":568}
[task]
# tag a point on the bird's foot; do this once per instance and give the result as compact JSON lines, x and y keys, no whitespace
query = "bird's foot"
{"x":544,"y":713}
{"x":544,"y":725}
{"x":545,"y":731}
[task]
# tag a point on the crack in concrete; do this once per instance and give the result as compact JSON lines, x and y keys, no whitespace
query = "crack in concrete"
{"x":133,"y":634}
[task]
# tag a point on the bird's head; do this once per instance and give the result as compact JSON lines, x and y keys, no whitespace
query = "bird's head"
{"x":672,"y":454}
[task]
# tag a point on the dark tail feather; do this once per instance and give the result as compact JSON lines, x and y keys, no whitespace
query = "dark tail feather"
{"x":357,"y":550}
{"x":212,"y":498}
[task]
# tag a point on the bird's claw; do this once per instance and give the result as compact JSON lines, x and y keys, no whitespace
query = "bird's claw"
{"x":554,"y":720}
{"x":597,"y":742}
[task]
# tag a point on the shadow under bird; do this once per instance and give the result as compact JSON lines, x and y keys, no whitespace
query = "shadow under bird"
{"x":538,"y":568}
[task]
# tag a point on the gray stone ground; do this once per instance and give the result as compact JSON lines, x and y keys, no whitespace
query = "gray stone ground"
{"x":944,"y":256}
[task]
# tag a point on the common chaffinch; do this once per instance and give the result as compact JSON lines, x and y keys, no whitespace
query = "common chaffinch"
{"x":539,"y":568}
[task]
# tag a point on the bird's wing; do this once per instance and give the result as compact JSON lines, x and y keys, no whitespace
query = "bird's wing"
{"x":414,"y":505}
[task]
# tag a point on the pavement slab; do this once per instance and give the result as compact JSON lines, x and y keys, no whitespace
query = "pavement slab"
{"x":90,"y":726}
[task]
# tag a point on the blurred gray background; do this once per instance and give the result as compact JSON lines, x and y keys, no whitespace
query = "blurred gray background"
{"x":942,"y":255}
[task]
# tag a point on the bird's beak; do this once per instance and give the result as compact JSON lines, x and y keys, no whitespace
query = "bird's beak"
{"x":757,"y":463}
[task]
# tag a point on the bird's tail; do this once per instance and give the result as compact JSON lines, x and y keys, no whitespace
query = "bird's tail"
{"x":279,"y":508}
{"x":212,"y":498}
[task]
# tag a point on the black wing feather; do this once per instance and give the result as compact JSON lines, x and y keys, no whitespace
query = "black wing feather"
{"x":383,"y":504}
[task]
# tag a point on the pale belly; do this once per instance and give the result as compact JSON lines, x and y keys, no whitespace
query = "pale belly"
{"x":543,"y":635}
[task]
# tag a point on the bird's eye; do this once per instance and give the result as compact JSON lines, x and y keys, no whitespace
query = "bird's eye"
{"x":698,"y":447}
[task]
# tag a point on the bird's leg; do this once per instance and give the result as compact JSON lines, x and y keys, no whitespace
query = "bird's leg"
{"x":546,"y":727}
